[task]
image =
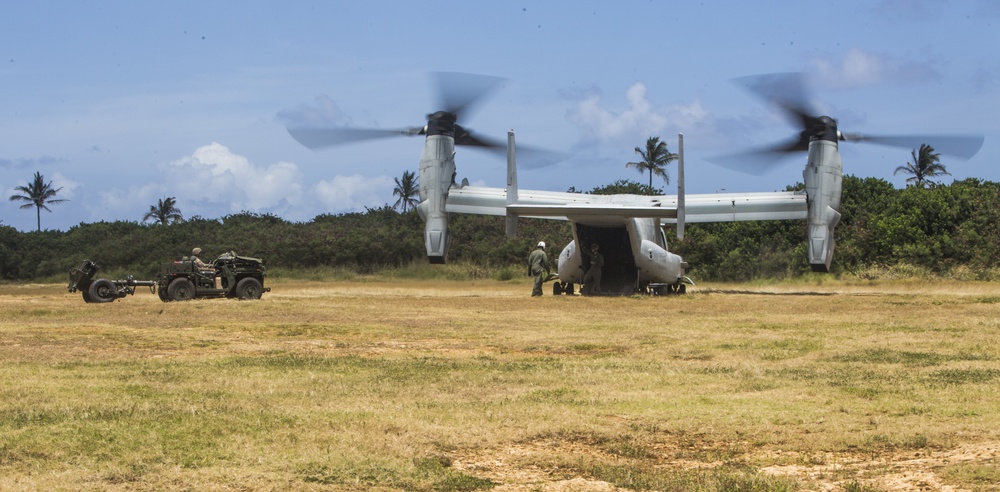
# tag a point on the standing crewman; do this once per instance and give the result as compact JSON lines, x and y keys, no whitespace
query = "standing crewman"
{"x":592,"y":279}
{"x":538,"y":266}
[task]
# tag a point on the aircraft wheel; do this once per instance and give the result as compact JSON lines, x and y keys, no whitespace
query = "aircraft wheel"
{"x":102,"y":290}
{"x":570,"y":290}
{"x":557,"y":288}
{"x":249,"y":289}
{"x":682,"y":289}
{"x":181,"y":290}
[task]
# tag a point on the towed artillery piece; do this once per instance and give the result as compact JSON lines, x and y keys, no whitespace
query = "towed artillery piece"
{"x":229,"y":275}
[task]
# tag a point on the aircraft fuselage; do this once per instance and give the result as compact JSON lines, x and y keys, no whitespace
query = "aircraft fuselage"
{"x":635,"y":255}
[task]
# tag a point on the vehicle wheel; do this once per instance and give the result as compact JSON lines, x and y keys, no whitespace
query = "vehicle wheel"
{"x":162,"y":293}
{"x":557,"y":289}
{"x":181,"y":290}
{"x":102,"y":290}
{"x":682,"y":289}
{"x":249,"y":289}
{"x":86,"y":295}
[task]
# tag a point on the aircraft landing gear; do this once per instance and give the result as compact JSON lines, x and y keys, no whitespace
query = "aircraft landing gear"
{"x":667,"y":289}
{"x":562,"y":288}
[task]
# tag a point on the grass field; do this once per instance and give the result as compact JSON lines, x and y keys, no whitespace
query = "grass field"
{"x":461,"y":385}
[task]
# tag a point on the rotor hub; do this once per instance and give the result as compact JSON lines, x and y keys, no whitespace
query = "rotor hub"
{"x":823,"y":128}
{"x":441,"y":123}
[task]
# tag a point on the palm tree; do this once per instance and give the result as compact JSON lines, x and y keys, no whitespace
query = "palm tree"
{"x":406,"y":190}
{"x":926,"y":164}
{"x":655,"y":158}
{"x":164,"y":212}
{"x":38,"y":193}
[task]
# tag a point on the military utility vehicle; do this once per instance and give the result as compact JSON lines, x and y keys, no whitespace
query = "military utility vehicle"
{"x":229,"y":275}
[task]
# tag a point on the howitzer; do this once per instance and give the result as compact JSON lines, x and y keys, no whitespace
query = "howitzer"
{"x":102,"y":289}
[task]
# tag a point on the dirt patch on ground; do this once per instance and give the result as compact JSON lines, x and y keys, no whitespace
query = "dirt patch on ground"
{"x":914,"y":471}
{"x":899,"y":472}
{"x":508,"y":468}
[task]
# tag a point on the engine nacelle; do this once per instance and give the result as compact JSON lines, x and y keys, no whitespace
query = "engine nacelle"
{"x":437,"y":172}
{"x":823,"y":179}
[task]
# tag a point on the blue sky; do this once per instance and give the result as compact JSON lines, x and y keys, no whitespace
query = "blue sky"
{"x":122,"y":103}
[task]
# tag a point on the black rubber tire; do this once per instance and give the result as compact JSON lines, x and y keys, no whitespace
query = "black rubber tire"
{"x":162,"y":293}
{"x":249,"y":289}
{"x":557,"y":289}
{"x":102,"y":290}
{"x":180,"y":289}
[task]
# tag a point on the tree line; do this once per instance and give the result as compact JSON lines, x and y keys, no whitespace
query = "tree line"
{"x":940,"y":230}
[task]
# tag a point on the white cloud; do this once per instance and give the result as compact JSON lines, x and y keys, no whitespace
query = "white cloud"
{"x":594,"y":121}
{"x":65,"y":186}
{"x":353,"y":192}
{"x":136,"y":199}
{"x":859,"y":68}
{"x":213,"y":182}
{"x":598,"y":124}
{"x":689,"y":116}
{"x":215,"y":175}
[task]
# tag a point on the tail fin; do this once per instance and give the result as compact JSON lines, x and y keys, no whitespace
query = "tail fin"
{"x":680,"y":186}
{"x":511,"y":184}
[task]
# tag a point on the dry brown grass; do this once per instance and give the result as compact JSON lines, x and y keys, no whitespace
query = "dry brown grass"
{"x":452,"y":385}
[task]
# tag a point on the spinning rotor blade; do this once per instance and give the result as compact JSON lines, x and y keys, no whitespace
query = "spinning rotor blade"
{"x":457,"y":92}
{"x":464,"y":137}
{"x":787,"y":91}
{"x":757,"y":161}
{"x":318,"y":138}
{"x":528,"y":157}
{"x":964,"y":146}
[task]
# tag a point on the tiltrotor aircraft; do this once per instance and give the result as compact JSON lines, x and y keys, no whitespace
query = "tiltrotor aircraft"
{"x":627,"y":228}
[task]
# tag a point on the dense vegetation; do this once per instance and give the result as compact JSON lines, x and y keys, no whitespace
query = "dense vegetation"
{"x":947,"y":230}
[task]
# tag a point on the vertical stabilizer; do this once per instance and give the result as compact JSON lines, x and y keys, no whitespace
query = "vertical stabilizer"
{"x":511,"y":184}
{"x":680,"y":186}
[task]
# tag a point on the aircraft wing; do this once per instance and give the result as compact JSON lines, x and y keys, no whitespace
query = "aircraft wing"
{"x":732,"y":207}
{"x":583,"y":207}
